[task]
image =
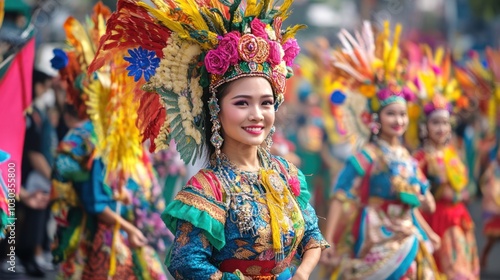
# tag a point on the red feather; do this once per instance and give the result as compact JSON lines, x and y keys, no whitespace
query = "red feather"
{"x":151,"y":116}
{"x":129,"y":27}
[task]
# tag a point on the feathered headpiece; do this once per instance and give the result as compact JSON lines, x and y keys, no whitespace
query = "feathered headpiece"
{"x":479,"y":80}
{"x":437,"y":89}
{"x":105,"y":97}
{"x":337,"y":107}
{"x":178,"y":48}
{"x":372,"y":66}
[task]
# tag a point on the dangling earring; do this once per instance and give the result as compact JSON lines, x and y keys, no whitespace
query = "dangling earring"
{"x":269,"y":139}
{"x":216,"y":138}
{"x":375,"y":125}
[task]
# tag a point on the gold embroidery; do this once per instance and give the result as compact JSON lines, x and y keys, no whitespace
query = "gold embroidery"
{"x":183,"y":238}
{"x":178,"y":275}
{"x":240,"y":243}
{"x":205,"y":184}
{"x":202,"y":204}
{"x":253,"y":270}
{"x":242,"y":253}
{"x":204,"y":241}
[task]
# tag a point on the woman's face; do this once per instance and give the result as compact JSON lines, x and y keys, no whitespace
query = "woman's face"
{"x":247,"y":112}
{"x":439,"y":129}
{"x":393,"y":120}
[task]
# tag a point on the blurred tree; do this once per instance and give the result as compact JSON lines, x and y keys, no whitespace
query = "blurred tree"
{"x":486,"y":9}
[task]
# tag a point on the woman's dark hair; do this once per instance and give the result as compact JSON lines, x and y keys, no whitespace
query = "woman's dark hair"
{"x":70,"y":110}
{"x":39,"y":77}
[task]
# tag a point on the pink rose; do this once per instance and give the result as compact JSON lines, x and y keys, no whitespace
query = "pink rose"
{"x":408,"y":95}
{"x":384,"y":93}
{"x":294,"y":185}
{"x":291,"y":49}
{"x":229,"y":47}
{"x":274,"y":53}
{"x":258,"y":28}
{"x":216,"y":62}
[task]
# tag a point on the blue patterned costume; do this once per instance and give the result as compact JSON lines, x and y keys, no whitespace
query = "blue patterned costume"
{"x":207,"y":218}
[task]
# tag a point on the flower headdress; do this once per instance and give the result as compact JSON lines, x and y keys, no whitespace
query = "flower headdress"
{"x":479,"y":81}
{"x":337,"y":107}
{"x":372,"y":66}
{"x":178,"y":48}
{"x":105,"y":98}
{"x":437,"y":89}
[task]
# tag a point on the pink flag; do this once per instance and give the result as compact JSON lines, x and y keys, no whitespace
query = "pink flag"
{"x":15,"y":97}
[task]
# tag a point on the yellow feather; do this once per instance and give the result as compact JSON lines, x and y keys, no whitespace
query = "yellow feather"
{"x":169,"y":23}
{"x":291,"y":31}
{"x":78,"y":38}
{"x":438,"y":56}
{"x":191,"y":9}
{"x":284,"y":10}
{"x":2,"y":12}
{"x":216,"y":19}
{"x":252,"y":8}
{"x":162,"y":6}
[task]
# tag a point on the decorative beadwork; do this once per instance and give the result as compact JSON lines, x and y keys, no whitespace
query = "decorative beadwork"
{"x":214,"y":108}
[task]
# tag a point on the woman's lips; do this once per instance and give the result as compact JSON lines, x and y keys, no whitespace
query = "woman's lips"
{"x":254,"y":130}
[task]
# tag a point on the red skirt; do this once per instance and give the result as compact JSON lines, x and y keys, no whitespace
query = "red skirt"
{"x":448,"y":215}
{"x":491,"y":225}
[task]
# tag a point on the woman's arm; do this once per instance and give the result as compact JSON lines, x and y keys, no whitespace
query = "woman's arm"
{"x":428,"y":202}
{"x":191,"y":253}
{"x":309,"y":261}
{"x":135,"y":236}
{"x":433,"y":237}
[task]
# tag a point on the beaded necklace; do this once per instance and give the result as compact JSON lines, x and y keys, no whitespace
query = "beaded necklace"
{"x":265,"y":186}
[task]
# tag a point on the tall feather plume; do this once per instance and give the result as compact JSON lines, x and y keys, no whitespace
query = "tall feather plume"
{"x":125,"y":31}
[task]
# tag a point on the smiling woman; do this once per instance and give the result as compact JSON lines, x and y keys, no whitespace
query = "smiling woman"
{"x":374,"y":220}
{"x":220,"y":77}
{"x":247,"y":116}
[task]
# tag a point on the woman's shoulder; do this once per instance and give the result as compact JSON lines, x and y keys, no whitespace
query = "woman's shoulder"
{"x":205,"y":183}
{"x":360,"y":160}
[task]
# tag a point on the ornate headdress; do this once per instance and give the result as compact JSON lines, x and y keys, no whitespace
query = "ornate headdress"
{"x":437,"y":89}
{"x":105,"y":97}
{"x":337,"y":107}
{"x":479,"y":81}
{"x":179,"y":48}
{"x":372,"y":66}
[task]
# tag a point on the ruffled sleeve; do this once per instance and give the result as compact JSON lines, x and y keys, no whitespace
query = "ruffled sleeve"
{"x":200,"y":203}
{"x":355,"y":167}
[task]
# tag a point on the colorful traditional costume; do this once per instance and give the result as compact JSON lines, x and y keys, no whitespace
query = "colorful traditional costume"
{"x":383,"y":239}
{"x":229,"y":224}
{"x":100,"y":164}
{"x":490,"y":187}
{"x":457,"y":258}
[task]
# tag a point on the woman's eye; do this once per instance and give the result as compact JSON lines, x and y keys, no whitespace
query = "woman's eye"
{"x":268,"y":102}
{"x":241,"y":103}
